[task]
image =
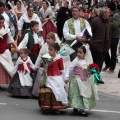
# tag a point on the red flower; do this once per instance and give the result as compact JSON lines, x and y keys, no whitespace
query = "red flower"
{"x":94,"y":66}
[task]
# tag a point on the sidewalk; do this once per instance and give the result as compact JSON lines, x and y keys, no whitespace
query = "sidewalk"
{"x":112,"y":82}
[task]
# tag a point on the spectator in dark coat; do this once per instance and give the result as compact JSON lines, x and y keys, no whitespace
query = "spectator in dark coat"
{"x":110,"y":61}
{"x":100,"y":42}
{"x":64,"y":14}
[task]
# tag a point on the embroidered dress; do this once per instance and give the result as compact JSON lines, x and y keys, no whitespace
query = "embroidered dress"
{"x":6,"y":63}
{"x":82,"y":93}
{"x":21,"y":84}
{"x":48,"y":26}
{"x":53,"y":95}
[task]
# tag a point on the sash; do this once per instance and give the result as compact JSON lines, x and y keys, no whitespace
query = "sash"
{"x":72,"y":28}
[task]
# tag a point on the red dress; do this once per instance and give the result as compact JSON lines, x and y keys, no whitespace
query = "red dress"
{"x":48,"y":26}
{"x":4,"y":76}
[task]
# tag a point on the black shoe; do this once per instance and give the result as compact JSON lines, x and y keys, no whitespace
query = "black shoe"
{"x":83,"y":113}
{"x":105,"y":68}
{"x":100,"y":82}
{"x":75,"y":110}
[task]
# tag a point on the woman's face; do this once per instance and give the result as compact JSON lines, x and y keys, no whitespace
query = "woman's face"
{"x":44,"y":5}
{"x":24,"y":2}
{"x":18,"y":4}
{"x":30,"y":12}
{"x":93,"y":14}
{"x":12,"y":3}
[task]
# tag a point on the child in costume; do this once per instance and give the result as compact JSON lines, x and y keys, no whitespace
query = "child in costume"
{"x":82,"y":93}
{"x":53,"y":95}
{"x":21,"y":84}
{"x":33,"y":41}
{"x":51,"y":38}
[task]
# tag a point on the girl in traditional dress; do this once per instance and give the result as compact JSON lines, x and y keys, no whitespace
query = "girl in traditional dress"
{"x":21,"y":84}
{"x":53,"y":95}
{"x":46,"y":18}
{"x":6,"y":63}
{"x":82,"y":92}
{"x":51,"y":38}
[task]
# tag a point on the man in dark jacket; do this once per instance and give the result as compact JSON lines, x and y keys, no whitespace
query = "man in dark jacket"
{"x":100,"y":42}
{"x":64,"y":14}
{"x":115,"y":28}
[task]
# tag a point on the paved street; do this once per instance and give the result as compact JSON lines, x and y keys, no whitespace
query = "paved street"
{"x":107,"y":108}
{"x":112,"y":82}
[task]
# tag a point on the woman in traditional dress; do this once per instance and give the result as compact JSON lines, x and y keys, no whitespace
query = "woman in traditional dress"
{"x":19,"y":10}
{"x":6,"y":63}
{"x":26,"y":18}
{"x":47,"y":19}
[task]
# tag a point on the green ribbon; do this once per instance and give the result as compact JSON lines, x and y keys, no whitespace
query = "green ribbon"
{"x":62,"y":52}
{"x":96,"y":74}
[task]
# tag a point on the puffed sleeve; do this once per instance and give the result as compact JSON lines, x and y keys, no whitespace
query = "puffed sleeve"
{"x":10,"y":38}
{"x":21,"y":22}
{"x":68,"y":70}
{"x":24,"y":42}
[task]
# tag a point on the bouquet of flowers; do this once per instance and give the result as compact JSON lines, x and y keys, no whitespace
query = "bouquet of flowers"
{"x":94,"y":69}
{"x":47,"y":59}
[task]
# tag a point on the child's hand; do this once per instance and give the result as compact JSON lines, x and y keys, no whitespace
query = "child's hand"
{"x":35,"y":69}
{"x":66,"y":81}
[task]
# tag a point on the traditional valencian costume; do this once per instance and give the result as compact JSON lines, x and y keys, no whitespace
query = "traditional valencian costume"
{"x":21,"y":84}
{"x":43,"y":50}
{"x":24,"y":22}
{"x":52,"y":93}
{"x":82,"y":93}
{"x":6,"y":63}
{"x":48,"y":26}
{"x":33,"y":41}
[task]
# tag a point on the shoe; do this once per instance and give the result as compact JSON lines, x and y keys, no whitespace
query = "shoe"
{"x":105,"y":68}
{"x":100,"y":82}
{"x":56,"y":111}
{"x":75,"y":110}
{"x":83,"y":113}
{"x":119,"y":74}
{"x":111,"y":71}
